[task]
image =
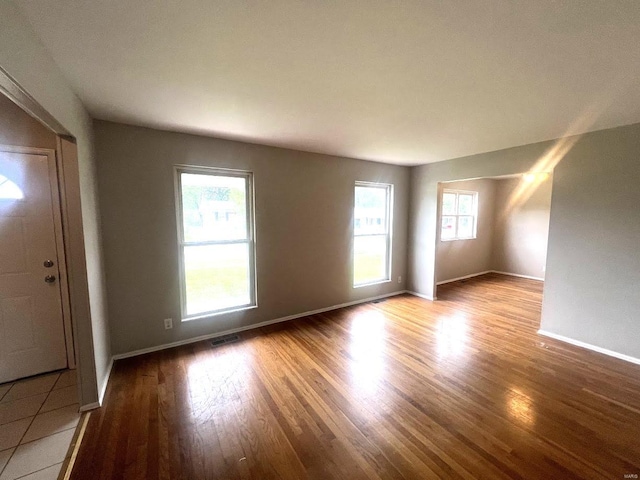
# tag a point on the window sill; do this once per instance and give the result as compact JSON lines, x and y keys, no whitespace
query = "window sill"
{"x":456,"y":239}
{"x":206,"y":315}
{"x":376,"y":282}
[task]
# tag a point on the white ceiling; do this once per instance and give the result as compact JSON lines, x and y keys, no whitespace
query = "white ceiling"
{"x":405,"y":82}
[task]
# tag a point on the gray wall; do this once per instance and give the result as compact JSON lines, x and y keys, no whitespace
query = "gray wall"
{"x":304,"y":208}
{"x":23,"y":56}
{"x":460,"y":258}
{"x":593,"y":265}
{"x":592,"y":290}
{"x":521,"y":226}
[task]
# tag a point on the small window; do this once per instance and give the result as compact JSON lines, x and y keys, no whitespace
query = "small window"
{"x":372,"y":233}
{"x":9,"y":190}
{"x":459,"y":215}
{"x":215,"y":233}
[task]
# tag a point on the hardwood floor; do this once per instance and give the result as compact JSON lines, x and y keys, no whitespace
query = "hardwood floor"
{"x":404,"y":388}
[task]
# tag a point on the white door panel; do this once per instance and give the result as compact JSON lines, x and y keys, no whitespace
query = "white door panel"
{"x":13,"y":254}
{"x":32,"y":336}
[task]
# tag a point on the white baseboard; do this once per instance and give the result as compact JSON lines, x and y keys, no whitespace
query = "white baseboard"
{"x":427,"y":297}
{"x":517,"y":275}
{"x":422,"y":295}
{"x":465,"y":277}
{"x":164,"y":346}
{"x":489,"y":271}
{"x":578,"y":343}
{"x":89,"y":406}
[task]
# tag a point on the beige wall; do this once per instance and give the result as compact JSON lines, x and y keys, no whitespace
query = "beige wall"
{"x":25,"y":59}
{"x":304,"y":208}
{"x":20,"y":129}
{"x":521,"y":228}
{"x":459,"y":258}
{"x":593,"y":267}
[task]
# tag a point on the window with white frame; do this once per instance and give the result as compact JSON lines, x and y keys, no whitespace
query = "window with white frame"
{"x":459,"y":215}
{"x":372,"y":233}
{"x":216,"y":240}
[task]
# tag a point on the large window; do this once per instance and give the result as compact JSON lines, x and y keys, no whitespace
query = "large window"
{"x":372,"y":233}
{"x":215,"y":233}
{"x":459,"y":215}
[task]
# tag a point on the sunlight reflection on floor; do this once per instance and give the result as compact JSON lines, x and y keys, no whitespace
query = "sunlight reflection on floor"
{"x":451,"y":336}
{"x":367,"y":351}
{"x":521,"y":406}
{"x":217,"y":383}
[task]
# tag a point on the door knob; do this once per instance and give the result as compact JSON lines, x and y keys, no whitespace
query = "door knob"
{"x":50,"y":278}
{"x":48,"y":263}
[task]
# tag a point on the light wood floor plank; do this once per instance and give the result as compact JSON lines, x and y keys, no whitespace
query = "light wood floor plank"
{"x":404,"y":388}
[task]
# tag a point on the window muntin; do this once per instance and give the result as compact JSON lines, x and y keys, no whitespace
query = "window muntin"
{"x":216,"y":240}
{"x":372,"y":233}
{"x":459,"y":215}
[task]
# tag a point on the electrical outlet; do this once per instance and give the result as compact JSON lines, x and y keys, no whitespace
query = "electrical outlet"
{"x":168,"y":323}
{"x":399,"y":279}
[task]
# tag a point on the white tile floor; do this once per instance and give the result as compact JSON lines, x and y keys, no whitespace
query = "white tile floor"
{"x":38,"y":417}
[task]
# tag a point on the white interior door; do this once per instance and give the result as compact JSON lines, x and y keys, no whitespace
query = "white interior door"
{"x":32,"y":338}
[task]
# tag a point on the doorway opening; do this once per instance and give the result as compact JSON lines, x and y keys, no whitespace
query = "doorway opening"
{"x":497,"y":225}
{"x":36,"y":329}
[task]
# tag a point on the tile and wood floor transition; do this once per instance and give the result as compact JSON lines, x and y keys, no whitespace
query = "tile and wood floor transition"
{"x":38,"y":418}
{"x":401,"y":389}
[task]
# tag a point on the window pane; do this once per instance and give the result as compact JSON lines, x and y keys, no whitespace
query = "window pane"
{"x":9,"y":190}
{"x":448,"y":228}
{"x":369,"y":259}
{"x":449,"y":204}
{"x":214,"y":207}
{"x":465,"y":204}
{"x":370,"y":212}
{"x":217,"y":277}
{"x":465,"y":227}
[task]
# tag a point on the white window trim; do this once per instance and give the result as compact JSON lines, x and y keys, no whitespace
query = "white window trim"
{"x":389,"y":234}
{"x":250,"y":240}
{"x":474,"y":215}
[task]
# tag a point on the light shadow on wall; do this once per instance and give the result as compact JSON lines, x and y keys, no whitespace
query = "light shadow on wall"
{"x":554,"y":155}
